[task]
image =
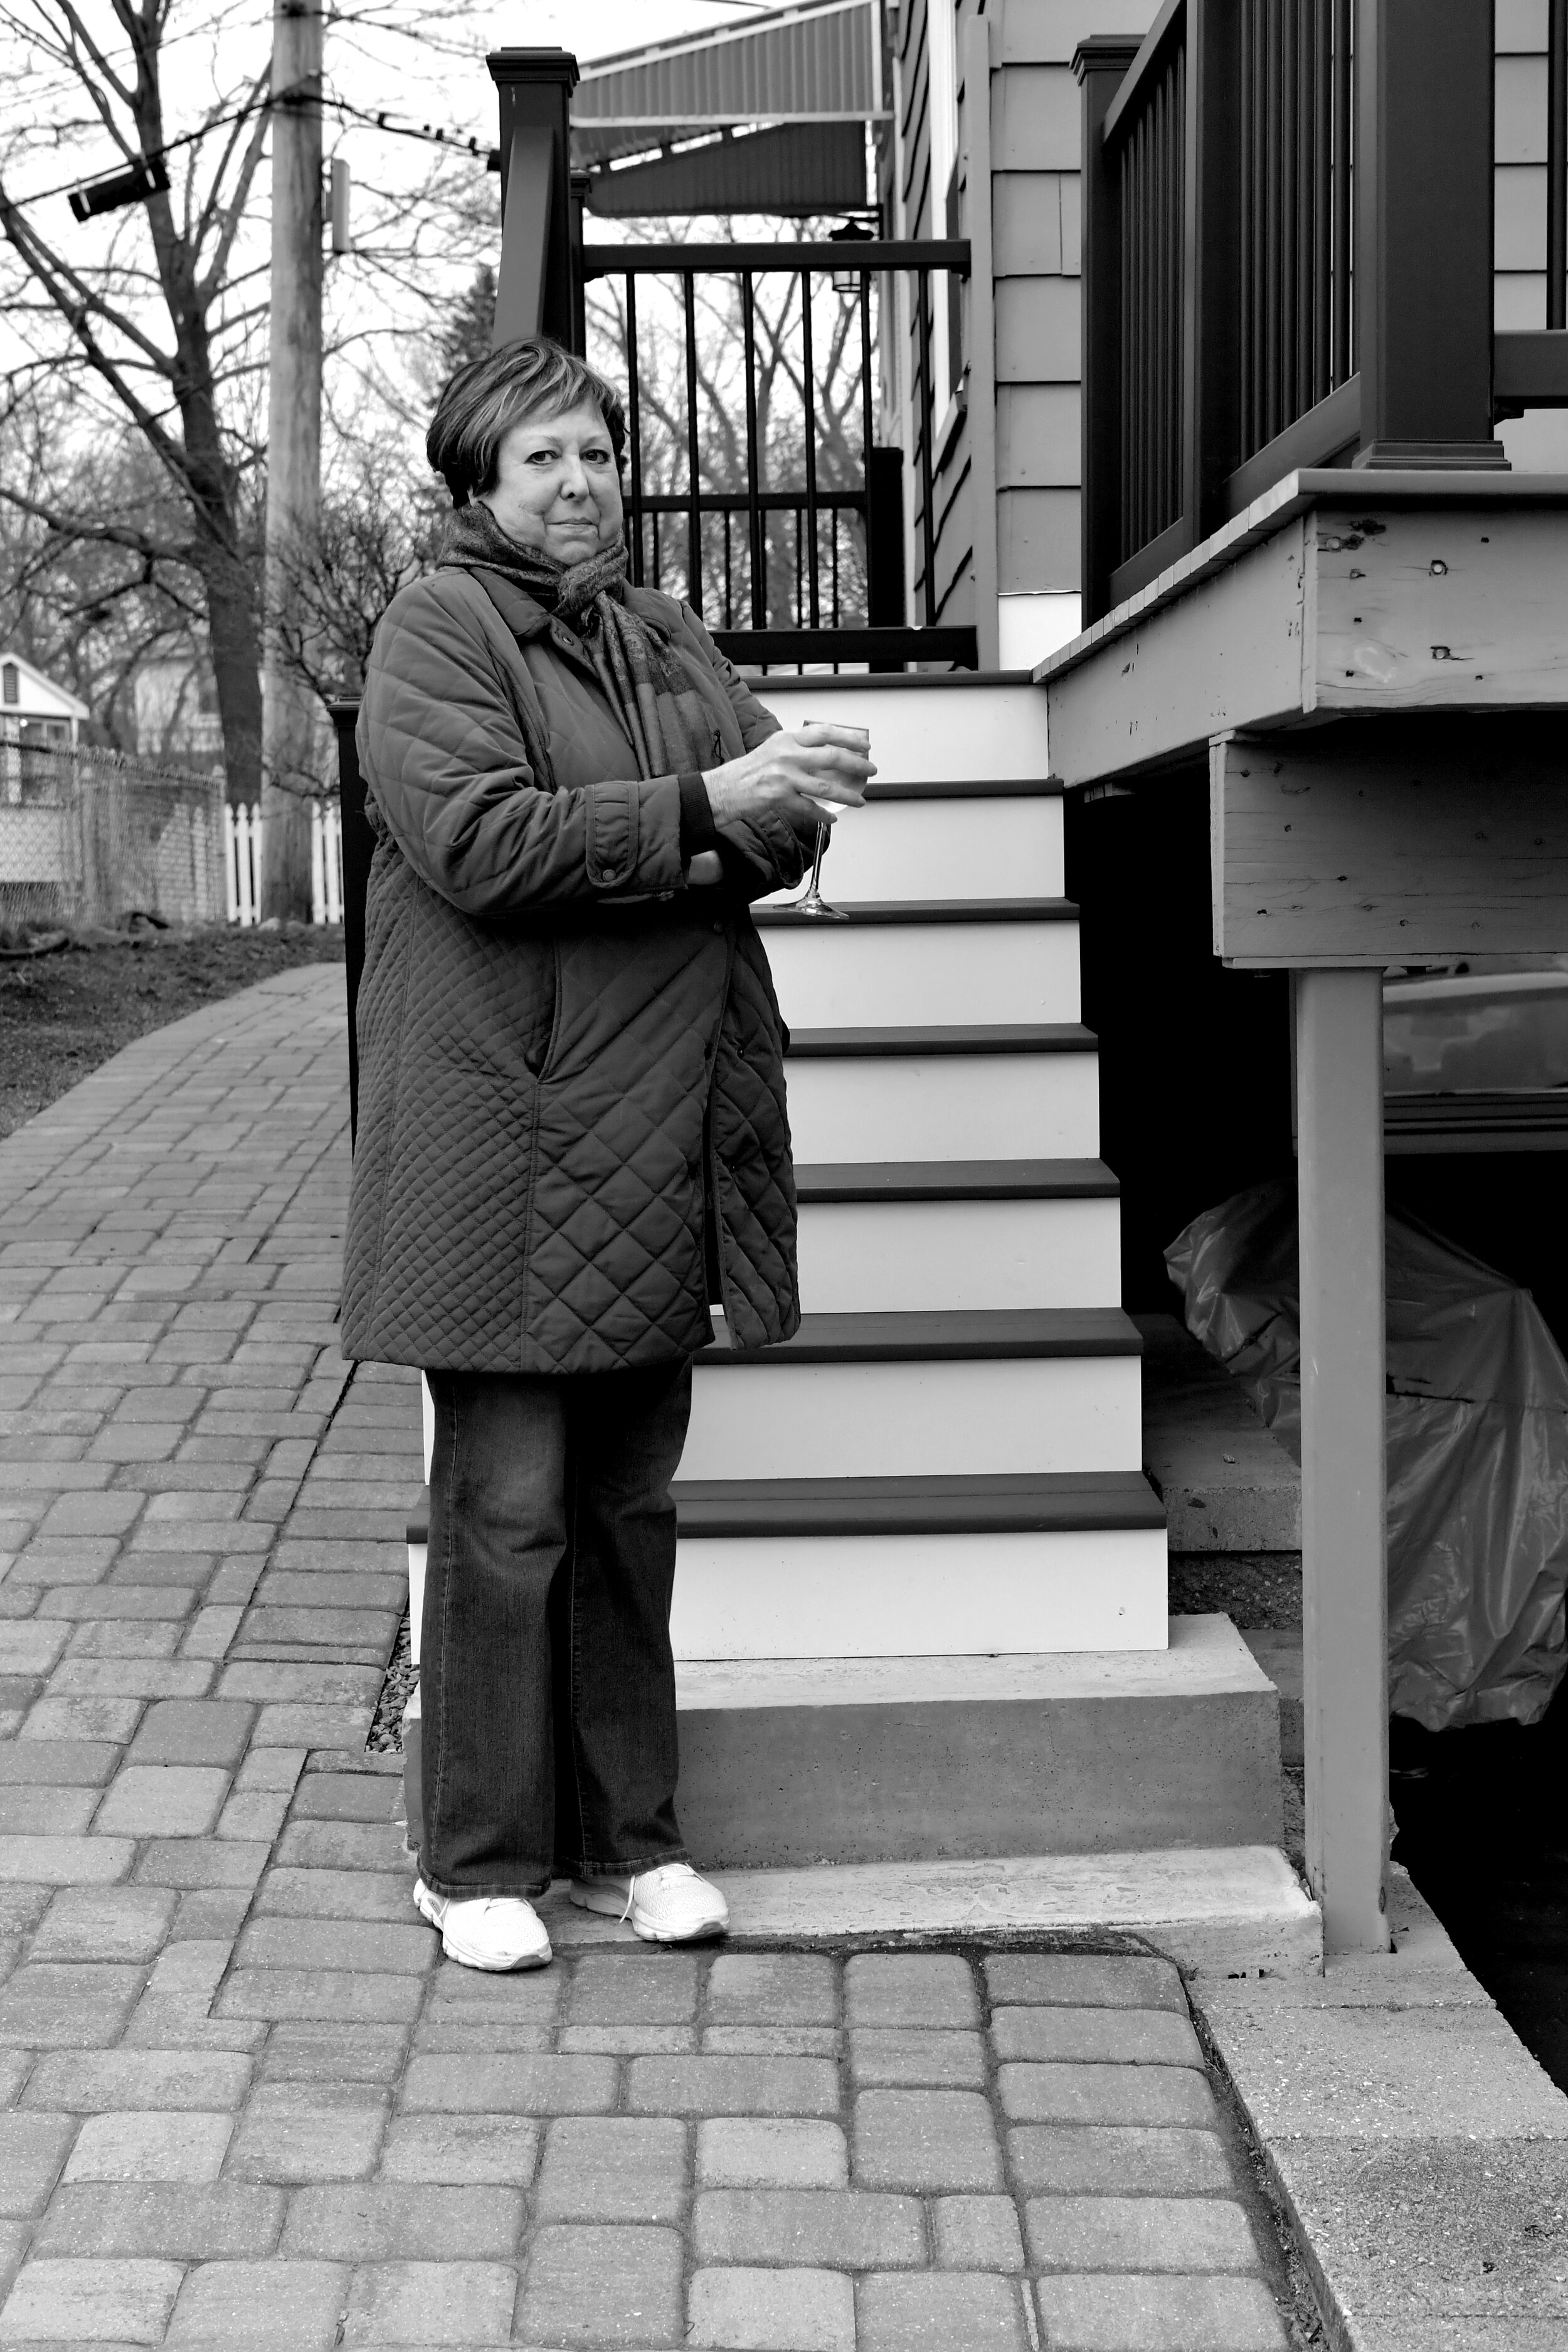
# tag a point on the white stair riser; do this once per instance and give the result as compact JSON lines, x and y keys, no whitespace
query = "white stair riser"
{"x":945,"y":1107}
{"x":943,"y":849}
{"x":917,"y":975}
{"x":926,"y":735}
{"x":897,"y":1256}
{"x":779,"y":1420}
{"x":919,"y":1595}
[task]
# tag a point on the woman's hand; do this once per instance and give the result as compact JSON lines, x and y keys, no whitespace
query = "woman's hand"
{"x":806,"y":775}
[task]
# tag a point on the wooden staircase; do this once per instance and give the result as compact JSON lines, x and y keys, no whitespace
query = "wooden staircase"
{"x":921,"y":1603}
{"x":920,"y":1609}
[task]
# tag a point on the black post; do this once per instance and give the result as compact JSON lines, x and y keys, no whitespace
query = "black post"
{"x":885,"y":589}
{"x":1423,"y":233}
{"x":1099,"y":65}
{"x":359,"y":846}
{"x":536,"y":293}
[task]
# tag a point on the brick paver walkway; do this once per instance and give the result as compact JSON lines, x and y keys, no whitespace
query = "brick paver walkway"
{"x":245,"y":2104}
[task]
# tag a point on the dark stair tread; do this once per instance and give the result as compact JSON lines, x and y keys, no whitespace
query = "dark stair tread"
{"x":1039,"y":1503}
{"x":967,"y":788}
{"x":957,"y":1180}
{"x":1027,"y":1503}
{"x":867,"y":911}
{"x":947,"y":1335}
{"x":972,"y":1038}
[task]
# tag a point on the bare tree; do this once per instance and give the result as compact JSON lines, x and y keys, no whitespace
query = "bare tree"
{"x":89,"y":606}
{"x":164,"y":329}
{"x":172,"y":388}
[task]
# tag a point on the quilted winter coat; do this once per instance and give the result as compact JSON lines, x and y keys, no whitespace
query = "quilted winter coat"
{"x":570,"y":1061}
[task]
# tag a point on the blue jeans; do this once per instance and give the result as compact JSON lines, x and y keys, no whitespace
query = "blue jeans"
{"x":547,"y":1681}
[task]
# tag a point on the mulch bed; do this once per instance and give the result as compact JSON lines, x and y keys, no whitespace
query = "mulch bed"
{"x":63,"y":1013}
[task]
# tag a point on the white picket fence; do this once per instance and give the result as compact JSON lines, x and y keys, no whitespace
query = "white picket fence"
{"x":242,"y":834}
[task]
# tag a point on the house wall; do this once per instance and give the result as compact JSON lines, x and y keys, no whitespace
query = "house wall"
{"x":1033,"y":104}
{"x":920,"y":209}
{"x":1036,"y":227}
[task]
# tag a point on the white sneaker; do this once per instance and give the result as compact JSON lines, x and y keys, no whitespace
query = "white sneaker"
{"x":667,"y":1905}
{"x":486,"y":1931}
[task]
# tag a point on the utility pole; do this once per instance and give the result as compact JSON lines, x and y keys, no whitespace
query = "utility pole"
{"x":293,"y":443}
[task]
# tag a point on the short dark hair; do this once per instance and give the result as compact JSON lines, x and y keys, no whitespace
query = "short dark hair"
{"x":479,"y":403}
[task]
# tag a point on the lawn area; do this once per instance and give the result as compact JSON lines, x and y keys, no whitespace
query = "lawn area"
{"x":62,"y":1015}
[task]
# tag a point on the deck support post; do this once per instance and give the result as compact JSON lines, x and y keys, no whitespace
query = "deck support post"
{"x":1338,"y":1098}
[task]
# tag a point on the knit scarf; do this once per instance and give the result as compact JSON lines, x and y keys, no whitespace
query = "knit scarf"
{"x":667,"y":720}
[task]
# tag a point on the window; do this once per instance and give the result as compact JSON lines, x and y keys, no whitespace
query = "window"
{"x":10,"y":683}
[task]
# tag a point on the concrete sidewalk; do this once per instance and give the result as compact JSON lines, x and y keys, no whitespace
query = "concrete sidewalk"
{"x":245,"y":2104}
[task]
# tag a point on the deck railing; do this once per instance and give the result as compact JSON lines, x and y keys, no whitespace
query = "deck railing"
{"x":754,"y":486}
{"x":1287,"y":260}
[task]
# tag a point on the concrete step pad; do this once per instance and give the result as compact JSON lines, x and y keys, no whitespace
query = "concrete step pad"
{"x":1216,"y":1911}
{"x":791,"y":1761}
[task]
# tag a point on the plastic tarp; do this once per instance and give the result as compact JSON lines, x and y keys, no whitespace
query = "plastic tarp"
{"x":1477,"y":1446}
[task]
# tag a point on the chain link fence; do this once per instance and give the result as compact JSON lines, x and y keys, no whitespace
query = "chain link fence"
{"x":89,"y":837}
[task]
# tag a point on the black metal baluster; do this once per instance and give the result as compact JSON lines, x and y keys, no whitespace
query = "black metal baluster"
{"x":754,"y":509}
{"x":810,"y":396}
{"x":1157,"y":309}
{"x":1323,"y":200}
{"x":1175,"y":236}
{"x":1244,"y":231}
{"x":1289,"y":292}
{"x":1557,"y":166}
{"x":634,"y":427}
{"x":865,"y":427}
{"x":1343,"y":127}
{"x":928,"y":519}
{"x":693,"y":460}
{"x":1306,"y":148}
{"x":1273,"y":335}
{"x":1125,"y":354}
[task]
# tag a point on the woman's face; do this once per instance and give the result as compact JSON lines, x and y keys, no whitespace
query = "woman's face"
{"x":557,"y":486}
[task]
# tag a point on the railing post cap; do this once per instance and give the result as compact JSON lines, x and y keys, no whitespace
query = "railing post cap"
{"x":533,"y":66}
{"x":1105,"y":53}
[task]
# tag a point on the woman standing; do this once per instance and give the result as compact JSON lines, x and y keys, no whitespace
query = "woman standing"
{"x":572,"y":1135}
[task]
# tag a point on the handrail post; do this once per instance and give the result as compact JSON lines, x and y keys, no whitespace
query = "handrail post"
{"x":537,"y":291}
{"x":1100,"y":65}
{"x":1423,"y":233}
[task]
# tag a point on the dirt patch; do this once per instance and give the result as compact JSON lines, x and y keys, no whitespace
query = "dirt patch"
{"x":62,"y":1015}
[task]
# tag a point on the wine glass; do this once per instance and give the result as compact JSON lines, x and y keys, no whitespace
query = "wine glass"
{"x":811,"y":903}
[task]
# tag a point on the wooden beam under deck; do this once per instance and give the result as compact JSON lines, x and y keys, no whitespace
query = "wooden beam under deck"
{"x":1389,"y":841}
{"x":1340,"y":592}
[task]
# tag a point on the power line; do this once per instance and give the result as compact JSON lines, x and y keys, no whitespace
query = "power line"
{"x":431,"y":133}
{"x":144,"y":169}
{"x":153,"y":157}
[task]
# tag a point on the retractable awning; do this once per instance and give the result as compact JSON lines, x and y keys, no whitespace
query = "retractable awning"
{"x":768,"y":115}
